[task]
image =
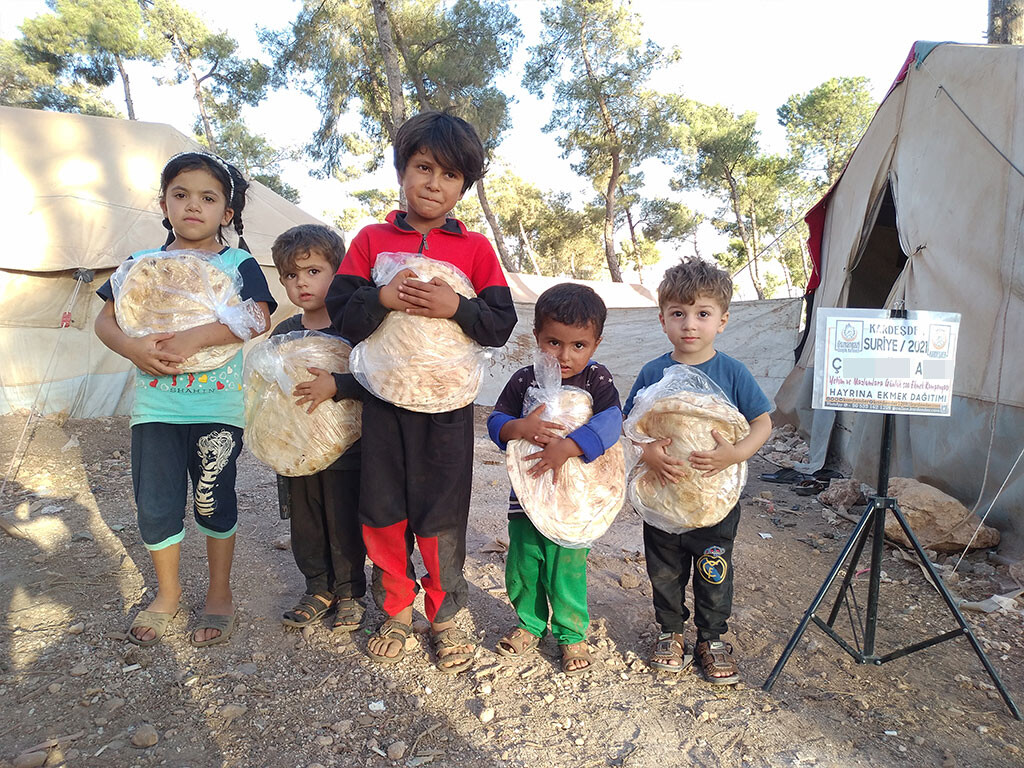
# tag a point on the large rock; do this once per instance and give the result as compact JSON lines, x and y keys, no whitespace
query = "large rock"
{"x":939,"y":521}
{"x":844,"y":494}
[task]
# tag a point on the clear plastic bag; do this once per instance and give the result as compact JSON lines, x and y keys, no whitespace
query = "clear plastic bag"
{"x":425,"y":364}
{"x":280,"y":433}
{"x":172,"y":291}
{"x":685,"y":405}
{"x":579,"y":508}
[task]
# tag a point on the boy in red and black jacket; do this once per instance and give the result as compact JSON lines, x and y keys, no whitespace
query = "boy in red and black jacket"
{"x":417,"y":469}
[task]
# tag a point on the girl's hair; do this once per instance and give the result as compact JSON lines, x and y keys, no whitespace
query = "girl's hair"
{"x":230,"y":178}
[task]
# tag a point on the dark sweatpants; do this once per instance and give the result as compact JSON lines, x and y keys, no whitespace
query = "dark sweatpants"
{"x":708,"y":553}
{"x":327,"y":539}
{"x":417,"y":474}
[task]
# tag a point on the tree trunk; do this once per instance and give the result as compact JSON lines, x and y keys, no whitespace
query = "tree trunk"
{"x":197,"y":85}
{"x":756,"y":273}
{"x":127,"y":90}
{"x":1006,"y":22}
{"x":499,"y":239}
{"x":734,"y":199}
{"x":636,"y":245}
{"x":389,"y":52}
{"x":529,"y":249}
{"x":609,"y":221}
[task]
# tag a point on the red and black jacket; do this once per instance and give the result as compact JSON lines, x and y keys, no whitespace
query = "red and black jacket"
{"x":353,"y":300}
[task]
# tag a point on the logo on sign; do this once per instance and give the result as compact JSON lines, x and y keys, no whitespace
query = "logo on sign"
{"x":938,"y":340}
{"x":849,"y":336}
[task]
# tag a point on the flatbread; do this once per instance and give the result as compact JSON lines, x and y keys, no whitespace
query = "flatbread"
{"x":579,"y":508}
{"x":280,"y":433}
{"x":424,"y":364}
{"x":695,"y":501}
{"x":172,"y":293}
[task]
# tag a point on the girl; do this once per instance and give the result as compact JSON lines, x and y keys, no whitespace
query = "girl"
{"x":189,"y":425}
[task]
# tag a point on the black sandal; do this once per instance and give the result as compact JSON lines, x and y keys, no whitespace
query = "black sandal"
{"x":349,"y":616}
{"x":785,"y":475}
{"x":392,"y":630}
{"x":810,"y":487}
{"x":309,"y":608}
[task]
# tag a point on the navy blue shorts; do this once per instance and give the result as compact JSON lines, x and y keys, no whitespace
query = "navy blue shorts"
{"x":164,"y":458}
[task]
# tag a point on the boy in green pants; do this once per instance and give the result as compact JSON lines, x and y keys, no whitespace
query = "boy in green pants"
{"x":568,"y":322}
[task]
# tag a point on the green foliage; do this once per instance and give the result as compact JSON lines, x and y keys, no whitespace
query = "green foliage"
{"x":824,"y":125}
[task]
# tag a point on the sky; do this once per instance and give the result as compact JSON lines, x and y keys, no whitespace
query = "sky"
{"x":745,"y":54}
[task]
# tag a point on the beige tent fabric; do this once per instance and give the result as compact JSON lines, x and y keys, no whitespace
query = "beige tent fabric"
{"x":959,"y":213}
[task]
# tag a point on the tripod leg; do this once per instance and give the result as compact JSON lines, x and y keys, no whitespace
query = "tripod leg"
{"x":875,"y":577}
{"x":854,"y":539}
{"x":948,"y":598}
{"x":850,"y":571}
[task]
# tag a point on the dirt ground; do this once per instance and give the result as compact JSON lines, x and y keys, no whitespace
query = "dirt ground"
{"x":72,"y":688}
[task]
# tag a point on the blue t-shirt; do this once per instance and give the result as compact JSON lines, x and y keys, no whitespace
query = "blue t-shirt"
{"x":730,"y":374}
{"x":201,"y":397}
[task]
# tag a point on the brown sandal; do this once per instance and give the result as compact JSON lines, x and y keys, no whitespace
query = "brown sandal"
{"x":574,"y":651}
{"x":518,"y":642}
{"x":716,"y":662}
{"x":670,"y":653}
{"x":449,"y":660}
{"x":393,"y":631}
{"x":309,"y":608}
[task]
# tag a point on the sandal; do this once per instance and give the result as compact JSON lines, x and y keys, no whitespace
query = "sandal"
{"x":669,"y":649}
{"x":349,"y":616}
{"x":810,"y":487}
{"x":715,"y":656}
{"x":518,"y":642}
{"x":449,"y":660}
{"x":309,"y":608}
{"x":785,"y":475}
{"x":225,"y":624}
{"x":391,"y":629}
{"x":150,"y":620}
{"x":574,"y":651}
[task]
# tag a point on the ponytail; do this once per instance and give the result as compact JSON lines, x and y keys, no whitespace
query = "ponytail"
{"x":240,"y":185}
{"x":170,"y":232}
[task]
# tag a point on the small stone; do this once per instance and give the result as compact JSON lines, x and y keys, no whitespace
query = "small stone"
{"x":115,"y":455}
{"x":285,"y":543}
{"x":307,"y":632}
{"x":54,"y":688}
{"x":629,"y":580}
{"x":548,"y":698}
{"x":376,"y":706}
{"x":919,"y":741}
{"x":145,"y":736}
{"x":78,"y":670}
{"x":485,"y":689}
{"x":324,"y":740}
{"x":982,"y":729}
{"x":82,"y":536}
{"x":396,"y":750}
{"x":416,"y":702}
{"x":117,"y":527}
{"x":342,"y":727}
{"x":578,"y":741}
{"x":487,"y":714}
{"x":232,"y":711}
{"x":240,"y":690}
{"x":30,"y":760}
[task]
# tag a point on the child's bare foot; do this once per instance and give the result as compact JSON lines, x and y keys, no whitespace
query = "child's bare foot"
{"x":165,"y":604}
{"x":218,"y":603}
{"x":388,"y":644}
{"x":670,"y":653}
{"x":454,"y":648}
{"x":576,"y":658}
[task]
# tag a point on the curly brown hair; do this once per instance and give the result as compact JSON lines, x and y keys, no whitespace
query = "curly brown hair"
{"x":694,"y":277}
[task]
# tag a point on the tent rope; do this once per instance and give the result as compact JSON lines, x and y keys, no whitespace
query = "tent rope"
{"x":976,"y":127}
{"x":81,"y":276}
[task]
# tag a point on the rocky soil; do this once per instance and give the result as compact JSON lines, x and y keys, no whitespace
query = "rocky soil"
{"x":73,"y":692}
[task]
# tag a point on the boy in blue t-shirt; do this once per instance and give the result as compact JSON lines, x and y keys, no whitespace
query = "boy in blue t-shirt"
{"x":694,"y":301}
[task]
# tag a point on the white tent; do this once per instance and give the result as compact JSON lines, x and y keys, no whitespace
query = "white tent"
{"x":929,"y":211}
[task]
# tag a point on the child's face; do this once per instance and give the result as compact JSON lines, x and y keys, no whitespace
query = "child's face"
{"x":197,"y":207}
{"x":431,"y":190}
{"x":306,"y":283}
{"x":572,"y":345}
{"x":692,"y":328}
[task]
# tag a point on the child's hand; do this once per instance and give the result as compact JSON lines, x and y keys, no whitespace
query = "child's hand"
{"x":183,"y":344}
{"x":712,"y":462}
{"x":536,"y":430}
{"x":388,"y":294}
{"x":666,"y":468}
{"x":433,"y":299}
{"x":314,"y":392}
{"x":150,"y":356}
{"x":557,"y":451}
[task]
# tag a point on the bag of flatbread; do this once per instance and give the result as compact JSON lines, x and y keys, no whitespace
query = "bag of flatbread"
{"x":425,"y":364}
{"x":575,"y":511}
{"x":280,"y":433}
{"x":172,"y":291}
{"x":685,"y":406}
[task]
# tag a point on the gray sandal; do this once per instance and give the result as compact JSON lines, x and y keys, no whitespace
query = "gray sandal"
{"x":150,"y":620}
{"x":225,"y":624}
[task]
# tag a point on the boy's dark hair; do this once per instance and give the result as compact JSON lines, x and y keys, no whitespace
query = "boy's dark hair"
{"x":230,"y":178}
{"x":297,"y":241}
{"x":453,"y":142}
{"x":694,"y":277}
{"x":570,"y":304}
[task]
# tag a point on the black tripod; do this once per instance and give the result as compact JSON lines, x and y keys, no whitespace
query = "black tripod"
{"x":872,"y":524}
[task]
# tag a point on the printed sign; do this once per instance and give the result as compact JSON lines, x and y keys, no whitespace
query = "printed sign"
{"x":866,"y":360}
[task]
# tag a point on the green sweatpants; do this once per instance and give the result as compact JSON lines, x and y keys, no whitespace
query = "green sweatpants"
{"x":539,"y":572}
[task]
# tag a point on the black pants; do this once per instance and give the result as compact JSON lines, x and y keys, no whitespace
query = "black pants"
{"x":417,"y":474}
{"x":327,"y":539}
{"x":708,"y":553}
